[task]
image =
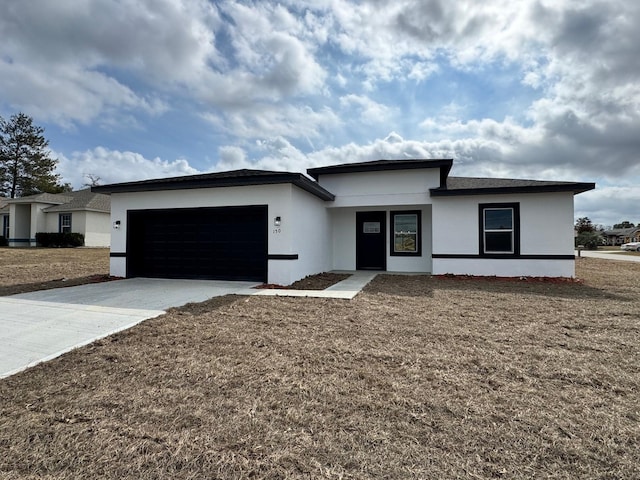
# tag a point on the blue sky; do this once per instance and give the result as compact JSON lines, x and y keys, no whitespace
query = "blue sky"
{"x":135,"y":89}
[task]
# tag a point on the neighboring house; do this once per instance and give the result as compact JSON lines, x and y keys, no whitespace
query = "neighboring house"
{"x":618,"y":236}
{"x":4,"y":218}
{"x":395,"y":216}
{"x":82,"y":212}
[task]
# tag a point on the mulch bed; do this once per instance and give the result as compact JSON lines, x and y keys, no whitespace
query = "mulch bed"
{"x":320,"y":281}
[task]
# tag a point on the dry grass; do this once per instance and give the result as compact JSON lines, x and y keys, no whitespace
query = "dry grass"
{"x":28,"y":269}
{"x":417,"y":377}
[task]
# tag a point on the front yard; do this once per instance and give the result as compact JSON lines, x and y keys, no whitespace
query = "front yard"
{"x":417,"y":377}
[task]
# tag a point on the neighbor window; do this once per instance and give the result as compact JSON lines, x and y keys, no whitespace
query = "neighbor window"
{"x":5,"y":226}
{"x":405,"y":234}
{"x":65,"y":223}
{"x":499,"y":224}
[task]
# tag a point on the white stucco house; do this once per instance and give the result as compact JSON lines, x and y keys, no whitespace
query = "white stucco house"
{"x":83,"y":211}
{"x":387,"y":215}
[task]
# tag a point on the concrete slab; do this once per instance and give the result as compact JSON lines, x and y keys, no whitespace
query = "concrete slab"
{"x":38,"y":326}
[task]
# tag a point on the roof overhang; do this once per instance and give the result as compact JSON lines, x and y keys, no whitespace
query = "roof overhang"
{"x":443,"y":164}
{"x":239,"y":178}
{"x":574,"y":188}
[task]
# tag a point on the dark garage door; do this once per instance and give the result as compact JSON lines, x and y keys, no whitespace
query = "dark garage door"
{"x":228,"y":243}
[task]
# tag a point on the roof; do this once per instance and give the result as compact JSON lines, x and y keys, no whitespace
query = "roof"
{"x":53,"y":198}
{"x":234,"y":178}
{"x":69,"y":201}
{"x":4,"y":206}
{"x":84,"y":200}
{"x":455,"y":186}
{"x":621,"y":231}
{"x":385,"y":165}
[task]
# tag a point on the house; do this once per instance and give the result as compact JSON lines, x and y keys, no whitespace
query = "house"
{"x":618,"y":236}
{"x":387,"y":215}
{"x":4,"y":220}
{"x":84,"y":212}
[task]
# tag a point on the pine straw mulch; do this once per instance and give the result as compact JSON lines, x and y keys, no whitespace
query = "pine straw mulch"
{"x":417,"y":377}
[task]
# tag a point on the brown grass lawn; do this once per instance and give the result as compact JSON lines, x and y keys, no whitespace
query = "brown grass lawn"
{"x":416,"y":377}
{"x":27,"y":269}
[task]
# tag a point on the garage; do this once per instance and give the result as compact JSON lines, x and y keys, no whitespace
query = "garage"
{"x":215,"y":243}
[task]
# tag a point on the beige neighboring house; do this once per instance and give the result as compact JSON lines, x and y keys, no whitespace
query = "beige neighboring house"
{"x":82,"y":212}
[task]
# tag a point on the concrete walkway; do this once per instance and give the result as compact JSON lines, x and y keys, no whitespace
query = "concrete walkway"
{"x":346,"y":289}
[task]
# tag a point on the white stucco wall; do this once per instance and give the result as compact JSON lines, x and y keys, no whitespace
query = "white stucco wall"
{"x":280,"y":199}
{"x":97,"y":231}
{"x":546,"y":228}
{"x":310,"y":237}
{"x":403,"y":187}
{"x":343,"y":222}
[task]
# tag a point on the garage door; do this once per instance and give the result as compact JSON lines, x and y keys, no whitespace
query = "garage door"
{"x":228,"y":243}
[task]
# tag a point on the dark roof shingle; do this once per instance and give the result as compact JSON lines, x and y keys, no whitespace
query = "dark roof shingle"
{"x":455,"y":186}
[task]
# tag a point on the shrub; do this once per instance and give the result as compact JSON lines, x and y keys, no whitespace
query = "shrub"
{"x":590,"y":240}
{"x":3,"y":241}
{"x":59,"y":239}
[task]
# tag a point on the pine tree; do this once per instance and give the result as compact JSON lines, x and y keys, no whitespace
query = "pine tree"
{"x":25,"y":165}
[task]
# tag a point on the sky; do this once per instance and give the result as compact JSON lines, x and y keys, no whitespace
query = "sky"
{"x":136,"y":89}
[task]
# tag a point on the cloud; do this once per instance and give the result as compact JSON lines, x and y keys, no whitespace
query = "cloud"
{"x":114,"y":166}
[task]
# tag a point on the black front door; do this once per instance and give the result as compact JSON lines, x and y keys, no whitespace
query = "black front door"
{"x":371,"y":241}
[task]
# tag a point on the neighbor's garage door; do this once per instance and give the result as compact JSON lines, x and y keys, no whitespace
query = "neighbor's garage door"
{"x":228,"y":243}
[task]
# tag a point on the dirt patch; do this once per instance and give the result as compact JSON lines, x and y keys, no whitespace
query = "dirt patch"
{"x":417,"y":377}
{"x":29,"y":269}
{"x":320,"y":281}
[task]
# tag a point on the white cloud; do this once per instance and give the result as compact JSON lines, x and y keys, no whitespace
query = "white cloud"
{"x":114,"y":166}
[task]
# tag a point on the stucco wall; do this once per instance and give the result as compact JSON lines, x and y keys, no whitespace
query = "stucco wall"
{"x":310,"y":237}
{"x":279,"y":198}
{"x":381,"y":188}
{"x":343,"y":221}
{"x":546,"y":228}
{"x":97,"y":231}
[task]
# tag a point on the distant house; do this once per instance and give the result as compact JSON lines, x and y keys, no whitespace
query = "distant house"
{"x":618,"y":236}
{"x":82,"y":212}
{"x":386,"y":215}
{"x":4,"y":218}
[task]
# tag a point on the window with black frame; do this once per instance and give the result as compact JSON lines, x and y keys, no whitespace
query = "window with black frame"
{"x":65,"y":223}
{"x":405,"y":233}
{"x":499,"y":229}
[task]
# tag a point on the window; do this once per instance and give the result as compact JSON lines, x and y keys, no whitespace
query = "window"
{"x":5,"y":226}
{"x":499,"y":229}
{"x":405,"y":234}
{"x":370,"y":227}
{"x":65,"y":223}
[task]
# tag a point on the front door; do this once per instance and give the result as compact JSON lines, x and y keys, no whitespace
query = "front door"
{"x":371,"y":241}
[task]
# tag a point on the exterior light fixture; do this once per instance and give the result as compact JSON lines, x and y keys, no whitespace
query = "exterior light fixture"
{"x":277,"y":221}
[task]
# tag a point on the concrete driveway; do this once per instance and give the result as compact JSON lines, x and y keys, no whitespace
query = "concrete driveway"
{"x":38,"y":326}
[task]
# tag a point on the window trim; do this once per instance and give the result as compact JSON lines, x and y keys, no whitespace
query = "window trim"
{"x":392,"y":233}
{"x":515,"y":207}
{"x":60,"y":224}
